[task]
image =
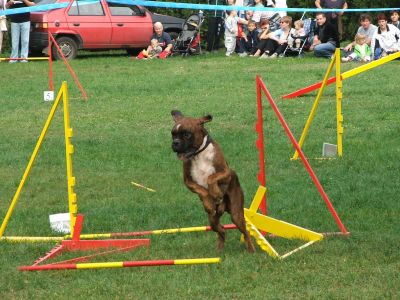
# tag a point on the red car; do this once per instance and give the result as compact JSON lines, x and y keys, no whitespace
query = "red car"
{"x":96,"y":24}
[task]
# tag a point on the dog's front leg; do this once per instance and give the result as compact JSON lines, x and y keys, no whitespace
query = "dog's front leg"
{"x":208,"y":203}
{"x":218,"y":180}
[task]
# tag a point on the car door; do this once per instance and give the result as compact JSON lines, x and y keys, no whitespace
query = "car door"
{"x":131,"y":25}
{"x":90,"y":21}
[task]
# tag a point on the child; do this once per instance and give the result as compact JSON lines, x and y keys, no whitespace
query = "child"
{"x":153,"y":51}
{"x":299,"y":34}
{"x":248,"y":42}
{"x":231,"y":30}
{"x":362,"y":52}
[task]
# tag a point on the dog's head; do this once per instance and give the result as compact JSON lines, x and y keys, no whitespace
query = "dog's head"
{"x":188,"y":134}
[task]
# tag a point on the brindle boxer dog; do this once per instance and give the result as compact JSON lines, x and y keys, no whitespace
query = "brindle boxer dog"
{"x":206,"y":173}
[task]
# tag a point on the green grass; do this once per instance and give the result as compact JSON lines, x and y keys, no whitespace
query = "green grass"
{"x":122,"y":134}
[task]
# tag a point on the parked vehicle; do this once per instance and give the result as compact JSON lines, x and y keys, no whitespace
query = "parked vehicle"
{"x":96,"y":24}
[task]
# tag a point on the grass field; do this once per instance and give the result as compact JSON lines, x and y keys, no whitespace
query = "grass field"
{"x":122,"y":134}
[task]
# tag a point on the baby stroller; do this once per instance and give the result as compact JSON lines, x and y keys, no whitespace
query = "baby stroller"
{"x":305,"y":41}
{"x":188,"y":41}
{"x":274,"y":22}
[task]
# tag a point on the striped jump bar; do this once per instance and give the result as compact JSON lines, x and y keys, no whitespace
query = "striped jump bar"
{"x":122,"y":264}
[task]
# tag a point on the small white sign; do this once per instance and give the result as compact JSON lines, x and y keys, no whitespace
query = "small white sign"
{"x":48,"y":96}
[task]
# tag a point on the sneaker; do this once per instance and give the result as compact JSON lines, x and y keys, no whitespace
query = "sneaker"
{"x":244,"y":54}
{"x":275,"y":55}
{"x":13,"y":61}
{"x":24,"y":61}
{"x":281,"y":55}
{"x":265,"y":55}
{"x":345,"y":59}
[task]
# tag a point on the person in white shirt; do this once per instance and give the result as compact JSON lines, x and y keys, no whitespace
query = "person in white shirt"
{"x":386,"y":39}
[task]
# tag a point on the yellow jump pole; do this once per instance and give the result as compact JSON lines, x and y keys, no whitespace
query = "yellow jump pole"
{"x":69,"y":150}
{"x":339,"y":99}
{"x":30,"y":164}
{"x":314,"y":107}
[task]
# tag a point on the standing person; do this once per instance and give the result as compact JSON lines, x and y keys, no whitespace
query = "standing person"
{"x":20,"y":29}
{"x":366,"y":28}
{"x":334,"y":18}
{"x":231,"y":31}
{"x":3,"y":23}
{"x":326,"y":38}
{"x":394,"y":16}
{"x":281,"y":4}
{"x":215,"y":26}
{"x":386,"y":39}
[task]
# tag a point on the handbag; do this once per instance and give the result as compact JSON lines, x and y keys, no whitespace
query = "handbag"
{"x":3,"y":23}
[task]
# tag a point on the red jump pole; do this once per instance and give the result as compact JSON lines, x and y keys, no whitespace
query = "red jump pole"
{"x":302,"y":156}
{"x":69,"y":67}
{"x":309,"y":89}
{"x":260,"y":147}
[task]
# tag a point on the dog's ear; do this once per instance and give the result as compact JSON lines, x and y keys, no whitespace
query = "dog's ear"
{"x":205,"y":119}
{"x":176,"y":115}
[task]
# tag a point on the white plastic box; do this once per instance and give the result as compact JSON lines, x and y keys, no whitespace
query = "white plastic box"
{"x":60,"y":222}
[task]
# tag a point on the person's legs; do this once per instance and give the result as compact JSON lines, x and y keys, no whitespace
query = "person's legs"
{"x":15,"y":34}
{"x":25,"y":28}
{"x":324,"y":50}
{"x":1,"y":40}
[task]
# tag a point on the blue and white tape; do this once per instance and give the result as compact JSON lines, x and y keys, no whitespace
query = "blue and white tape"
{"x":46,"y":7}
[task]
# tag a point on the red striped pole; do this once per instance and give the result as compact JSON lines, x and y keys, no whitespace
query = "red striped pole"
{"x":260,"y":146}
{"x":122,"y":264}
{"x":303,"y":158}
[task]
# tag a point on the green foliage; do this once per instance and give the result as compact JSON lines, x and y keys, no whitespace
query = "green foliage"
{"x":122,"y":134}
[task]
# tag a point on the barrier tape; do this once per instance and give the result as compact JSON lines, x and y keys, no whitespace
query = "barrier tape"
{"x":46,"y":7}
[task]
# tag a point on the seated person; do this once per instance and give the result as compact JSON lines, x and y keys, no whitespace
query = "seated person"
{"x":394,"y":16}
{"x":366,"y":28}
{"x":299,"y":34}
{"x":154,"y":50}
{"x":164,"y":41}
{"x":326,"y":38}
{"x":248,"y":42}
{"x":386,"y":39}
{"x":263,"y":37}
{"x":278,"y":40}
{"x":362,"y":52}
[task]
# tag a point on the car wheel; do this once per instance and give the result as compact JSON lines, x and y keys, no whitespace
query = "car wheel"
{"x":68,"y":47}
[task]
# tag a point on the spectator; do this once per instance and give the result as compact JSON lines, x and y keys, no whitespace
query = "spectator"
{"x":215,"y":26}
{"x":164,"y":41}
{"x":3,"y":22}
{"x":299,"y":34}
{"x":259,"y":15}
{"x":394,"y":16}
{"x":281,"y":4}
{"x":278,"y":41}
{"x":386,"y":39}
{"x":263,"y":36}
{"x":326,"y":38}
{"x":248,"y":42}
{"x":20,"y":29}
{"x":362,"y":52}
{"x":231,"y":31}
{"x":366,"y":28}
{"x":153,"y":51}
{"x":334,"y":18}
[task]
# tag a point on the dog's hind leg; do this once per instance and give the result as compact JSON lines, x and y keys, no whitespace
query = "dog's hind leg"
{"x":238,"y":219}
{"x":218,"y":228}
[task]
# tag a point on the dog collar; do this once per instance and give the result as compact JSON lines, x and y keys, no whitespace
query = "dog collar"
{"x":202,"y":148}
